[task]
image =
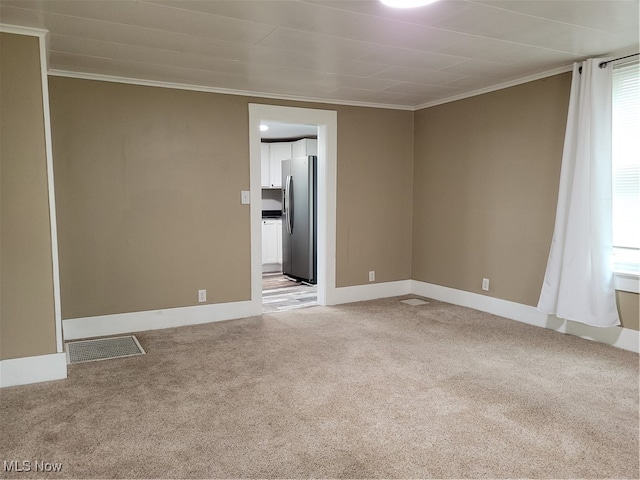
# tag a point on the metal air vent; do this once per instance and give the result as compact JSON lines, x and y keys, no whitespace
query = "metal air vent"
{"x":103,"y":349}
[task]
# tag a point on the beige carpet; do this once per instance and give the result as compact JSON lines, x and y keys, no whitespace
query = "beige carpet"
{"x":368,"y":390}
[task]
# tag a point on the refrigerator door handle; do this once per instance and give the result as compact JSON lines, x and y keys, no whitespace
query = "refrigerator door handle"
{"x":289,"y":215}
{"x":284,"y":202}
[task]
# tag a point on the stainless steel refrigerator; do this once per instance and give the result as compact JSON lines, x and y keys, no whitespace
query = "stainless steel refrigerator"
{"x":299,"y":218}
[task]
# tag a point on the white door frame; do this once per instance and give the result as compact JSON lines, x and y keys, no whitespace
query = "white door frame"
{"x":327,"y":122}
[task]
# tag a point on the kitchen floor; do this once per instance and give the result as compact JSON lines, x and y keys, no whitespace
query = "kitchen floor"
{"x":281,"y":294}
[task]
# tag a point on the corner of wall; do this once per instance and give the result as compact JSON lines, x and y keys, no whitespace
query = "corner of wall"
{"x":28,"y":364}
{"x":619,"y":337}
{"x":26,"y":370}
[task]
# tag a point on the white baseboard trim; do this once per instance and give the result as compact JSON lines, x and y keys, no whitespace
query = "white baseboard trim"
{"x":372,"y":291}
{"x":41,"y":368}
{"x":115,"y":324}
{"x":619,"y":337}
{"x":496,"y":306}
{"x":99,"y":326}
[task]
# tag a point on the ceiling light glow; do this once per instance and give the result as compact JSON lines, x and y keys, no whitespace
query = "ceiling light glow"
{"x":263,"y":128}
{"x":407,"y":3}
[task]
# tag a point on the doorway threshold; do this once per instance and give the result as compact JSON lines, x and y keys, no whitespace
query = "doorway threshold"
{"x":280,"y":293}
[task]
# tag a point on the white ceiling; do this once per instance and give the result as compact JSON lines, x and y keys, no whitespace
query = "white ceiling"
{"x":278,"y":130}
{"x":344,"y":51}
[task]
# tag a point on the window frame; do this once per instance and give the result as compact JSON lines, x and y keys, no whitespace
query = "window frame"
{"x":626,"y":273}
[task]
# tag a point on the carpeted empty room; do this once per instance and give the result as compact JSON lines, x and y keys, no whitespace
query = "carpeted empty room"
{"x":376,"y":389}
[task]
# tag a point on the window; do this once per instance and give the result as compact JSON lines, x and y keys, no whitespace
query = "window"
{"x":626,"y":168}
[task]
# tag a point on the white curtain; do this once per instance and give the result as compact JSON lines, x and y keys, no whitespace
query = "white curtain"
{"x":578,"y":284}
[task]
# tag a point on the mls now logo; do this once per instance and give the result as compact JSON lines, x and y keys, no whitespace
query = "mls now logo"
{"x":18,"y":466}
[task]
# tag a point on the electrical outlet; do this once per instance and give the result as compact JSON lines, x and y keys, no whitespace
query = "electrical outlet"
{"x":202,"y":296}
{"x":372,"y":276}
{"x":485,"y":284}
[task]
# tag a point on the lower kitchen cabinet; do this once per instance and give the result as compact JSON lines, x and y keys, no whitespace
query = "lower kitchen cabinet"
{"x":272,"y":245}
{"x":279,"y":230}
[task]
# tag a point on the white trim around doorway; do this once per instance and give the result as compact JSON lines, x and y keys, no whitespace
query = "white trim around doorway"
{"x":327,"y":122}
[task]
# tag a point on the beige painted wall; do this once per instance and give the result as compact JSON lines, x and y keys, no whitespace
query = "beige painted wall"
{"x":485,"y":188}
{"x":148,"y":181}
{"x":486,"y":175}
{"x":375,"y":151}
{"x":27,"y":320}
{"x":148,"y":184}
{"x":629,"y":309}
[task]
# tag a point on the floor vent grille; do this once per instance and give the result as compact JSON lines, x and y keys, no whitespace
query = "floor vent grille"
{"x":103,"y":349}
{"x":414,"y":302}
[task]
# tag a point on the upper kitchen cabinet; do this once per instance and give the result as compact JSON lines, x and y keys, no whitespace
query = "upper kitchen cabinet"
{"x":265,"y":176}
{"x":304,"y":147}
{"x":277,"y":153}
{"x":272,"y":155}
{"x":272,"y":163}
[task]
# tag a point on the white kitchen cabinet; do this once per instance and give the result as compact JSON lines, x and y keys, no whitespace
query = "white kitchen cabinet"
{"x":277,"y":153}
{"x":265,"y":178}
{"x":304,"y":147}
{"x":271,"y":245}
{"x":271,"y":157}
{"x":279,"y":230}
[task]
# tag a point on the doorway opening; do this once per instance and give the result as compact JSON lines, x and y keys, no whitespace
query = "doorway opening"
{"x":288,"y":177}
{"x":324,"y":124}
